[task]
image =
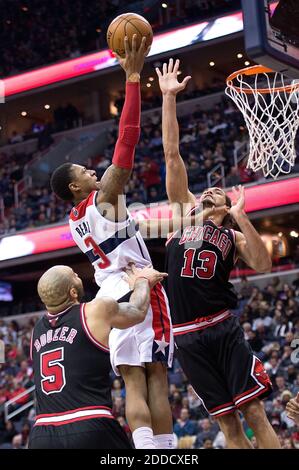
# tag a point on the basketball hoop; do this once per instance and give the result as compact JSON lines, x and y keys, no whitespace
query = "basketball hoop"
{"x":269,"y":102}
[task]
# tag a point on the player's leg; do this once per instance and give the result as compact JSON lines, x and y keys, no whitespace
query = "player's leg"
{"x":256,"y":418}
{"x":157,"y":385}
{"x":247,"y":381}
{"x":137,"y":410}
{"x":155,"y":345}
{"x":204,"y":373}
{"x":232,"y":428}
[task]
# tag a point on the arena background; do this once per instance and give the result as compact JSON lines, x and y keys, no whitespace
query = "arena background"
{"x":67,"y":109}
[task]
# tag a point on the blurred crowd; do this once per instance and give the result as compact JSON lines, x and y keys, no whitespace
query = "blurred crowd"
{"x":207,"y":138}
{"x":64,"y":117}
{"x":270,"y":320}
{"x":40,"y":32}
{"x":36,"y":207}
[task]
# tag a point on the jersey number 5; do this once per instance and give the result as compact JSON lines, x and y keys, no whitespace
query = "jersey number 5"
{"x":207,"y":260}
{"x":104,"y":261}
{"x":52,"y":371}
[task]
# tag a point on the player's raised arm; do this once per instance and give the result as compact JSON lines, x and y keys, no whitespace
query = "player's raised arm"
{"x":117,"y":175}
{"x":176,"y":174}
{"x":250,"y":246}
{"x":105,"y":313}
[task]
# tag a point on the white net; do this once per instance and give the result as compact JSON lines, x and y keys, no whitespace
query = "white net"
{"x":269,"y":103}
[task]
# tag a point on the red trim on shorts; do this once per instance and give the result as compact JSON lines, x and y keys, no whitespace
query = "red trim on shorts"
{"x":246,"y":393}
{"x":156,"y":324}
{"x":79,"y":211}
{"x":88,"y":332}
{"x":200,"y":327}
{"x":48,"y":415}
{"x":200,"y":319}
{"x":225,"y":413}
{"x":74,"y":420}
{"x":255,"y":395}
{"x":221,"y":406}
{"x":161,"y":318}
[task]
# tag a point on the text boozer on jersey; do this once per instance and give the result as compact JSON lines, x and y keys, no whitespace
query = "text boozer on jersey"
{"x":110,"y":246}
{"x":73,"y":391}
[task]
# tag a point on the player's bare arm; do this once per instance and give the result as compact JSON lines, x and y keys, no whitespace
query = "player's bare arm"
{"x":250,"y":246}
{"x":175,"y":167}
{"x":105,"y":313}
{"x":117,"y":175}
{"x":152,"y":228}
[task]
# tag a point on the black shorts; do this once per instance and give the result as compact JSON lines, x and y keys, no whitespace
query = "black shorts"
{"x":222,"y":368}
{"x":100,"y":434}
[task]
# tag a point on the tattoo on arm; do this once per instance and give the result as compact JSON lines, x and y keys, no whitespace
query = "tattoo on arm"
{"x":112,"y":184}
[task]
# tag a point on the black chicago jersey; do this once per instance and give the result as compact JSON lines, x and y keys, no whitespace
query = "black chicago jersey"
{"x":199,"y":265}
{"x":71,"y":371}
{"x":211,"y":348}
{"x":72,"y":386}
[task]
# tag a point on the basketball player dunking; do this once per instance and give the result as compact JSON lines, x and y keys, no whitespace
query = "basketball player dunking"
{"x":103,"y":229}
{"x":71,"y":360}
{"x":209,"y":340}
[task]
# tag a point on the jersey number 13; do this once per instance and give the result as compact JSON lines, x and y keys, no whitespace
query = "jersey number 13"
{"x":202,"y":266}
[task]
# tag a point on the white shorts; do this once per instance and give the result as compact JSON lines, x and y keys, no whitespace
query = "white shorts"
{"x":149,"y":341}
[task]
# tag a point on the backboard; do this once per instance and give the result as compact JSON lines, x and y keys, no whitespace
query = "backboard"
{"x":271,"y":31}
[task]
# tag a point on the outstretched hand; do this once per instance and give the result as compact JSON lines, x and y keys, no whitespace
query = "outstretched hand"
{"x":238,"y":203}
{"x":151,"y":274}
{"x":134,"y":58}
{"x":292,"y":409}
{"x":168,"y":78}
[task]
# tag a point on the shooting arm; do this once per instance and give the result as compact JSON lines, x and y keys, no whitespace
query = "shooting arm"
{"x":117,"y":175}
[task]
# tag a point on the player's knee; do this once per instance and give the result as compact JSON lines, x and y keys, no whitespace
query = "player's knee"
{"x":131,"y":373}
{"x":254,"y":413}
{"x":156,"y":370}
{"x":157,"y":378}
{"x":230,"y":425}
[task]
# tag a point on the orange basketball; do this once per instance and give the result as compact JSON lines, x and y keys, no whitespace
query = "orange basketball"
{"x":127,"y":25}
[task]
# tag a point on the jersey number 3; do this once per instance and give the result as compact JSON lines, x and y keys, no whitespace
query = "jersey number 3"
{"x":207,"y":260}
{"x":52,"y":371}
{"x":104,"y":261}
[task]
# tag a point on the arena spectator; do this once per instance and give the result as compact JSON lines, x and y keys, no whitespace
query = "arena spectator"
{"x":207,"y":138}
{"x":184,"y":425}
{"x":207,"y":431}
{"x":190,"y":418}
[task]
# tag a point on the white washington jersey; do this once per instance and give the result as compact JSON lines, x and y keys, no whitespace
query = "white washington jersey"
{"x":109,"y":246}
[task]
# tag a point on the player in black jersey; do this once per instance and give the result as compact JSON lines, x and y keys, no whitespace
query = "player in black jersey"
{"x":210,"y":342}
{"x":72,"y":364}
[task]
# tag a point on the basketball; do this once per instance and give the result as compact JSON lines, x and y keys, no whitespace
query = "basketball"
{"x":128,"y":24}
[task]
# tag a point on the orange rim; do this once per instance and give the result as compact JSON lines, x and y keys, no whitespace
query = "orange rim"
{"x":255,"y":70}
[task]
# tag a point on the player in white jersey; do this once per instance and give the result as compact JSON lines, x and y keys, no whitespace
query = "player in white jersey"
{"x":110,"y":246}
{"x":103,"y":229}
